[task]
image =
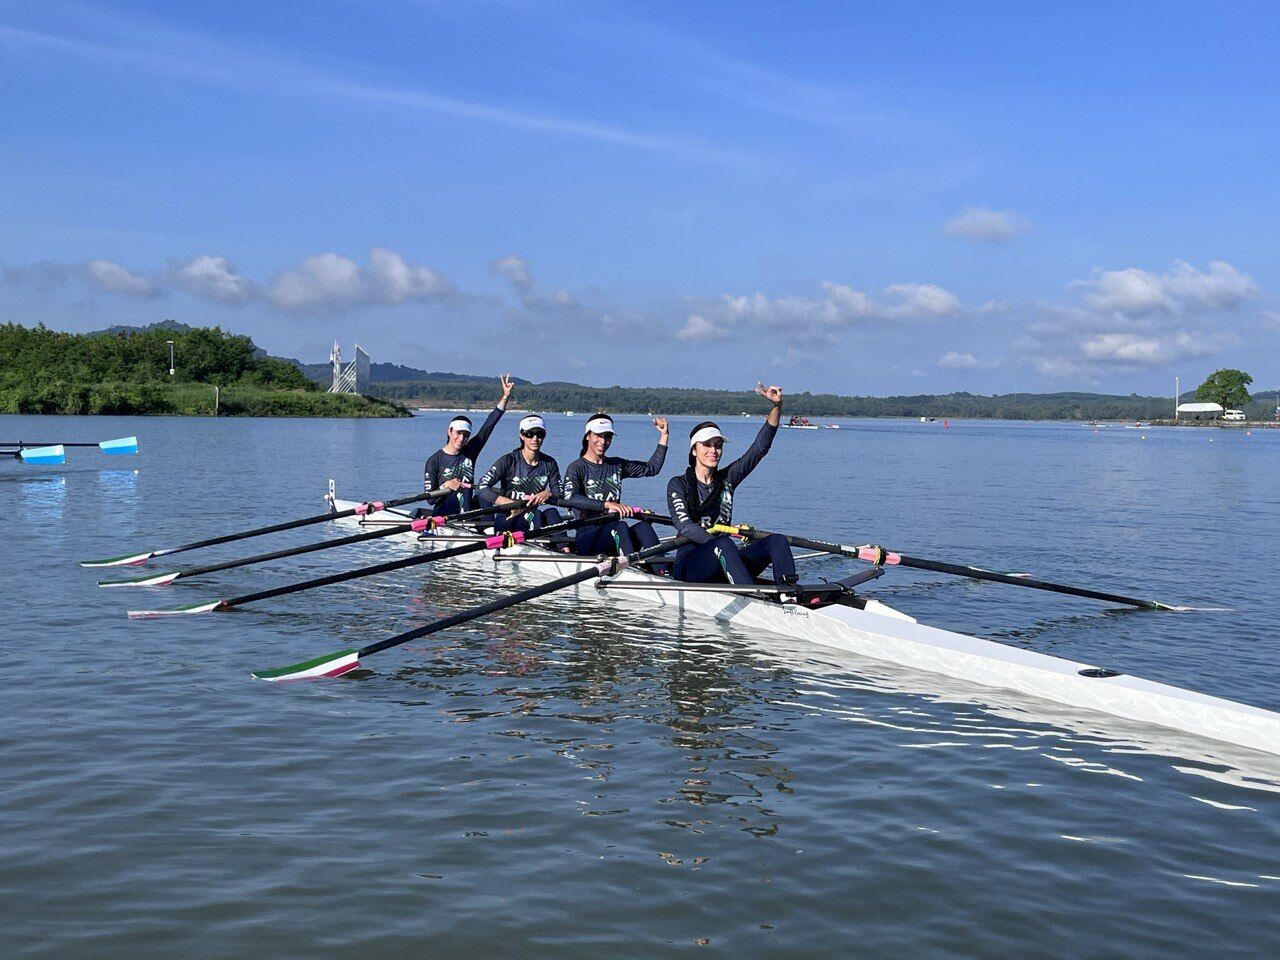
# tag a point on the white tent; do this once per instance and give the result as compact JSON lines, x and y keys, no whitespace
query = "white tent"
{"x":1198,"y":409}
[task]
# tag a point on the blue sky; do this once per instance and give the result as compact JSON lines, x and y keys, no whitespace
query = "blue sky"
{"x":868,"y":198}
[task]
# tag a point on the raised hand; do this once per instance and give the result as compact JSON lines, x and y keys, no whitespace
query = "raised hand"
{"x":505,"y":380}
{"x":773,"y":393}
{"x":661,"y":424}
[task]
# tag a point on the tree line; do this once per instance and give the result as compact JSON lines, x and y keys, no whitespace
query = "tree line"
{"x":127,"y":372}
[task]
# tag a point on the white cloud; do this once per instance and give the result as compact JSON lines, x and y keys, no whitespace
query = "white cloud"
{"x":330,"y":281}
{"x":1131,"y":349}
{"x":1135,"y":292}
{"x":794,"y":357}
{"x":990,"y":226}
{"x":965,"y":361}
{"x":1057,"y":368}
{"x":211,"y":278}
{"x":698,"y":329}
{"x":111,"y":277}
{"x":817,"y":320}
{"x":920,"y":300}
{"x":516,"y":270}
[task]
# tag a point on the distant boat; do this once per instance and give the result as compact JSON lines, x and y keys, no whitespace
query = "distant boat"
{"x":568,"y":413}
{"x":799,"y":426}
{"x":831,"y":426}
{"x":928,"y":419}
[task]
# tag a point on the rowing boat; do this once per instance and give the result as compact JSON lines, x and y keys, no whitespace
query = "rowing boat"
{"x":869,"y":628}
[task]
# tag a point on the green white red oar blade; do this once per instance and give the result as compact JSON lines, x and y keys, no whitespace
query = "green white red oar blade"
{"x":190,"y":608}
{"x":151,"y":580}
{"x":331,"y":665}
{"x":125,"y":560}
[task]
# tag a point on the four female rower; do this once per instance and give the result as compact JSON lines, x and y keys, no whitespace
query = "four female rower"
{"x":595,"y":478}
{"x":452,"y":467}
{"x":703,"y":496}
{"x":527,"y":478}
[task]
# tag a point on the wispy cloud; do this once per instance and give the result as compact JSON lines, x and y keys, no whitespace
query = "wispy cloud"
{"x":324,"y":283}
{"x":990,"y":226}
{"x":199,"y":59}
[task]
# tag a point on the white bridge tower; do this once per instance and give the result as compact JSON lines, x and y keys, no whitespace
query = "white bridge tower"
{"x":352,"y":378}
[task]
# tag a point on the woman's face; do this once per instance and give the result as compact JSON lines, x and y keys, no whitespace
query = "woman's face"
{"x":598,"y":443}
{"x":532,"y":439}
{"x":708,"y":454}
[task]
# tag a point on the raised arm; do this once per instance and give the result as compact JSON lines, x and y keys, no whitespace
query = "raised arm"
{"x":481,"y":437}
{"x":741,"y":468}
{"x":677,"y":507}
{"x":638,"y":468}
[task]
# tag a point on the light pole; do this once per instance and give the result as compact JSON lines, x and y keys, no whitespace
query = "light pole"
{"x":1177,"y":396}
{"x":170,"y":343}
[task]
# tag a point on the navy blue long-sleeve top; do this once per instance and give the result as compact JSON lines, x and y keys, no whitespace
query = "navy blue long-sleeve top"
{"x":694,"y":506}
{"x":442,"y":467}
{"x":586,"y":484}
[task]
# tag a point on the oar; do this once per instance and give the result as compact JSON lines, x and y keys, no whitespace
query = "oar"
{"x":49,"y":454}
{"x":344,"y":661}
{"x":117,"y":446}
{"x":489,"y":543}
{"x":134,"y":559}
{"x":882,"y":557}
{"x":416,"y":526}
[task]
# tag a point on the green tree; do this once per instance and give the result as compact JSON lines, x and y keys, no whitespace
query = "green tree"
{"x":1227,"y":387}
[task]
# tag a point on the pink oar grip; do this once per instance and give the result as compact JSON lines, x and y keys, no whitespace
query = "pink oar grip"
{"x":366,"y":508}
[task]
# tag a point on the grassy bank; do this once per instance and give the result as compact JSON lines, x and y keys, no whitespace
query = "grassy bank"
{"x":187,"y":399}
{"x":127,"y":371}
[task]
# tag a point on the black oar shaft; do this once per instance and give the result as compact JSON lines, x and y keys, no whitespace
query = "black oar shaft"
{"x":402,"y":563}
{"x":387,"y":531}
{"x":296,"y":551}
{"x":363,"y":508}
{"x":960,"y":570}
{"x":532,"y":593}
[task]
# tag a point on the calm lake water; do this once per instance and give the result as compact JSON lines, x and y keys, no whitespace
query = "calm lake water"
{"x":574,"y":780}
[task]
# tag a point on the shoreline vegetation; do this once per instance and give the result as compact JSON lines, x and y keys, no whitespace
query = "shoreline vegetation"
{"x":676,"y":401}
{"x":126,"y":372}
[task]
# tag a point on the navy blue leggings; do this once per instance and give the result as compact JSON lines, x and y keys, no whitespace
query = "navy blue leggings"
{"x":593,"y":541}
{"x":452,"y":504}
{"x":542,"y":517}
{"x":720,"y":559}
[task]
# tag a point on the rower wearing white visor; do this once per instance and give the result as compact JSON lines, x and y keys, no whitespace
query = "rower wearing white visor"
{"x":451,"y":469}
{"x":524,"y":477}
{"x":702,"y":496}
{"x":594,"y":478}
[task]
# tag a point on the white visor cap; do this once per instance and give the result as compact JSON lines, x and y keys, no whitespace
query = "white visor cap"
{"x":531,"y":422}
{"x":600,"y":425}
{"x":460,"y":423}
{"x":706,"y":434}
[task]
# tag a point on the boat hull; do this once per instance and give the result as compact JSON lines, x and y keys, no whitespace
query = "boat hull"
{"x":881,"y":633}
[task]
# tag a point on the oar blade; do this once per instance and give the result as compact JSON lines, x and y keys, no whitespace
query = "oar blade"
{"x":55,"y":454}
{"x":178,"y":611}
{"x":151,"y":580}
{"x":121,"y":445}
{"x":331,"y":665}
{"x":126,"y":560}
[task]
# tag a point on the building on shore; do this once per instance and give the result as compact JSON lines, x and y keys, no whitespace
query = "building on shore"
{"x":1199,"y":411}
